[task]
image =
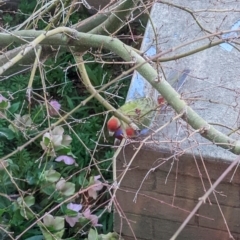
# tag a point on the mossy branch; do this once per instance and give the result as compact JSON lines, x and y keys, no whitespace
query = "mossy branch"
{"x":97,"y":23}
{"x":92,"y":90}
{"x":73,"y":37}
{"x":117,"y":19}
{"x":33,"y":72}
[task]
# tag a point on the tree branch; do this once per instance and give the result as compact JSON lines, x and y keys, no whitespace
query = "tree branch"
{"x":92,"y":90}
{"x":117,"y":18}
{"x":205,"y":196}
{"x":93,"y":22}
{"x":73,"y":37}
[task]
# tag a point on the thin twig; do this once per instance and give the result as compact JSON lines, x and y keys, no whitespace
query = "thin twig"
{"x":205,"y":196}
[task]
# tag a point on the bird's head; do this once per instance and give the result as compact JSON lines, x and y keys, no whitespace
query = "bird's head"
{"x":129,"y":133}
{"x":113,"y":125}
{"x":115,"y":129}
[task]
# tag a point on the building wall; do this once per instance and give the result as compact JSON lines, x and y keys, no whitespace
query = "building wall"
{"x":173,"y":187}
{"x":159,"y":209}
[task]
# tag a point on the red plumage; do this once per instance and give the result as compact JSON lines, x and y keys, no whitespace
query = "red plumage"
{"x":113,"y":124}
{"x":130,"y":132}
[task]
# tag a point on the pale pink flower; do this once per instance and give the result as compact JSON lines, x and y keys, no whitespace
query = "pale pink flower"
{"x":86,"y":214}
{"x":54,"y":108}
{"x":55,"y":140}
{"x":93,"y":218}
{"x":76,"y":208}
{"x":97,"y":186}
{"x":65,"y":188}
{"x":66,"y":159}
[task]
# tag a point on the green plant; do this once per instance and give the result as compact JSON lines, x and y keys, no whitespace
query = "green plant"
{"x":57,"y":185}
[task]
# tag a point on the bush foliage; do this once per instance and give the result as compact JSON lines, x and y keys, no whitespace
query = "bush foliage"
{"x":56,"y":185}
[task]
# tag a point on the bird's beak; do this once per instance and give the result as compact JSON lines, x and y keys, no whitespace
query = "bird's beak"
{"x":111,"y":133}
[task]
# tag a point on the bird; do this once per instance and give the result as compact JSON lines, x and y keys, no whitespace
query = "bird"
{"x":141,"y":111}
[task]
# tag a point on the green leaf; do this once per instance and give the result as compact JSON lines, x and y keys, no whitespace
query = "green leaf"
{"x":4,"y":204}
{"x":58,"y":223}
{"x":26,"y":213}
{"x":17,"y":218}
{"x":110,"y":236}
{"x":49,"y":190}
{"x":46,"y":140}
{"x":14,"y":107}
{"x":4,"y":105}
{"x":55,"y":226}
{"x":38,"y":237}
{"x":69,"y":189}
{"x":70,"y":213}
{"x":2,"y":211}
{"x":29,"y":200}
{"x":91,"y":75}
{"x":15,"y":206}
{"x":92,"y":235}
{"x":70,"y":102}
{"x":23,"y":121}
{"x":31,"y":179}
{"x":6,"y":133}
{"x":7,"y":18}
{"x":64,"y":150}
{"x":52,"y":176}
{"x":56,"y":236}
{"x":82,"y":179}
